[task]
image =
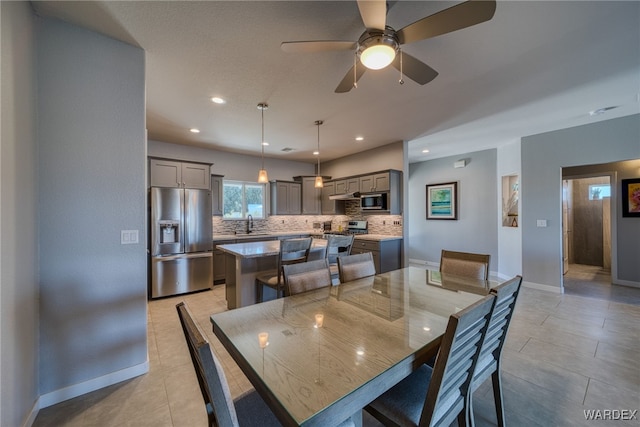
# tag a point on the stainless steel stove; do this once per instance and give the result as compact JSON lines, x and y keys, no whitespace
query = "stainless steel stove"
{"x":353,"y":227}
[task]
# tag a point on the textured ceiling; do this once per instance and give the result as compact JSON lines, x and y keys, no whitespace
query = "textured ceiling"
{"x":535,"y":67}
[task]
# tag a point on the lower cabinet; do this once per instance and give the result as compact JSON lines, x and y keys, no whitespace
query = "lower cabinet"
{"x":219,"y":271}
{"x":387,"y":254}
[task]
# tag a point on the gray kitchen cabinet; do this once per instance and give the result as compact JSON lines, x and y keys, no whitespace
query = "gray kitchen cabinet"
{"x":311,"y":196}
{"x":216,"y":195}
{"x":387,"y":254}
{"x":375,"y":182}
{"x":219,"y":269}
{"x":286,"y":198}
{"x":347,"y":185}
{"x":172,"y":173}
{"x":328,"y":206}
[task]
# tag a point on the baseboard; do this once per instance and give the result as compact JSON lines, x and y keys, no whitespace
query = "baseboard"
{"x":541,"y":287}
{"x":628,"y":283}
{"x":79,"y":389}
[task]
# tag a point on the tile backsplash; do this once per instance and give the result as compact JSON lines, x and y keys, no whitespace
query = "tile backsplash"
{"x":390,"y":225}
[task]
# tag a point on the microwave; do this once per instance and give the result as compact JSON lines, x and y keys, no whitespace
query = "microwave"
{"x":373,"y":202}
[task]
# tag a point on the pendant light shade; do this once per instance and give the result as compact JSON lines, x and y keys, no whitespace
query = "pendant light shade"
{"x":319,"y":183}
{"x":262,"y":174}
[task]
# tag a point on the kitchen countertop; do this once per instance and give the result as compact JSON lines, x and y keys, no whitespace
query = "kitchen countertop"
{"x":263,"y":249}
{"x":240,"y":237}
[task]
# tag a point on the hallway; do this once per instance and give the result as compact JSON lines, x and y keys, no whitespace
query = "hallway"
{"x":594,"y":282}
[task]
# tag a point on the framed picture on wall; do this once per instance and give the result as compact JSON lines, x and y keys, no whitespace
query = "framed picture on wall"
{"x":442,"y":201}
{"x":631,"y":197}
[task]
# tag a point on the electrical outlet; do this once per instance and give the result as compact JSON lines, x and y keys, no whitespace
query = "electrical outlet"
{"x":384,"y":222}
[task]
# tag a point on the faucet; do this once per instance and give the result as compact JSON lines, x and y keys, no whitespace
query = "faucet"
{"x":249,"y":223}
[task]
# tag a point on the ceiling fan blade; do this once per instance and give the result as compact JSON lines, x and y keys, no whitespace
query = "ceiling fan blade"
{"x":460,"y":16}
{"x":373,"y":13}
{"x":347,"y":82}
{"x":415,"y":69}
{"x":317,"y":46}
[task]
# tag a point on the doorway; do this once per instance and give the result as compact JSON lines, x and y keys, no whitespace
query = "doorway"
{"x":586,"y":235}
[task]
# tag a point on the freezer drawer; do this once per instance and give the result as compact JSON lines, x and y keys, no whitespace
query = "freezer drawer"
{"x":179,"y":274}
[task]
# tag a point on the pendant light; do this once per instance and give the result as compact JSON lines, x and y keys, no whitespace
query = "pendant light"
{"x":262,"y":174}
{"x":319,"y":183}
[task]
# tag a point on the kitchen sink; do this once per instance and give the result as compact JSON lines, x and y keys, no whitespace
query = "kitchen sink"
{"x":252,"y":234}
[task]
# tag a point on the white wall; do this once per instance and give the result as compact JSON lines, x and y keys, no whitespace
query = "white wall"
{"x":92,"y":157}
{"x":232,"y":166}
{"x":543,"y":157}
{"x":509,"y":238}
{"x":18,"y":218}
{"x":476,"y":227}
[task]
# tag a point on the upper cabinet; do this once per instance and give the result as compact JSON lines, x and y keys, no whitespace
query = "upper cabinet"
{"x":347,"y":185}
{"x":285,"y":198}
{"x":216,"y":195}
{"x":172,"y":173}
{"x":375,"y":182}
{"x":331,"y":207}
{"x":311,"y":196}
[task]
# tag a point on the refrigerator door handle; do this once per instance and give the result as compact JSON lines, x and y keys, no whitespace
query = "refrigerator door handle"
{"x":208,"y":254}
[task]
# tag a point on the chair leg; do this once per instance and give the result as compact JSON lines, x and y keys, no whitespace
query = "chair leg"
{"x":258,"y":291}
{"x":497,"y":396}
{"x":469,"y":409}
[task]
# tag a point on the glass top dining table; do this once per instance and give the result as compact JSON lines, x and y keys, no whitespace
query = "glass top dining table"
{"x":318,"y":358}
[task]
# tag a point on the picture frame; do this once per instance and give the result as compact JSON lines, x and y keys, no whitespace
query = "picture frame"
{"x":442,"y":201}
{"x":631,"y":198}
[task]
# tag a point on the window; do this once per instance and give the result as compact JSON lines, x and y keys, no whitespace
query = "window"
{"x":599,"y":191}
{"x":241,"y":199}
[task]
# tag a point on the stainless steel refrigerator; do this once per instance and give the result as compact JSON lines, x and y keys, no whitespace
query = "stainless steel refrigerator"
{"x":181,"y":259}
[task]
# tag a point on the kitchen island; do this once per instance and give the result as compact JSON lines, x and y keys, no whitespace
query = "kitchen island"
{"x":243,"y":262}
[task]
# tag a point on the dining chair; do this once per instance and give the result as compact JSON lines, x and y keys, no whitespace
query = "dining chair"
{"x":306,"y":276}
{"x":356,"y":266}
{"x":292,"y":251}
{"x":491,"y":353}
{"x":465,"y":264}
{"x":437,"y":396}
{"x":337,"y":245}
{"x":247,"y":410}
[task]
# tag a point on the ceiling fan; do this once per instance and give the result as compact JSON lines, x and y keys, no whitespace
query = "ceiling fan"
{"x":379,"y":45}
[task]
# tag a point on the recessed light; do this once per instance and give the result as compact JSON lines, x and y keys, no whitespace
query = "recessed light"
{"x":265,"y":143}
{"x":194,"y":130}
{"x":359,"y":138}
{"x":425,"y":151}
{"x":315,"y":153}
{"x":218,"y":100}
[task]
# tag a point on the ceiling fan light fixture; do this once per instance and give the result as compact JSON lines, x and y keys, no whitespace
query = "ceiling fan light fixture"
{"x":377,"y":57}
{"x":378,"y":49}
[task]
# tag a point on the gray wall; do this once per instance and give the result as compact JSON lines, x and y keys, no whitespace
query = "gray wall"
{"x":18,"y":217}
{"x":390,"y":156}
{"x":543,"y":157}
{"x":92,"y":156}
{"x":476,"y":227}
{"x":232,"y":166}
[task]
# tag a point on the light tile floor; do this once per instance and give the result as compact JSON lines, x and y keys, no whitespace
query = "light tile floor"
{"x":564,"y":354}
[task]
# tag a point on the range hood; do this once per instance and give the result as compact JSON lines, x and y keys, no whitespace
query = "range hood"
{"x":345,"y":196}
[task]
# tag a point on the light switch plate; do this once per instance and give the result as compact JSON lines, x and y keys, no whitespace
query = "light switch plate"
{"x":541,"y":223}
{"x":128,"y":237}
